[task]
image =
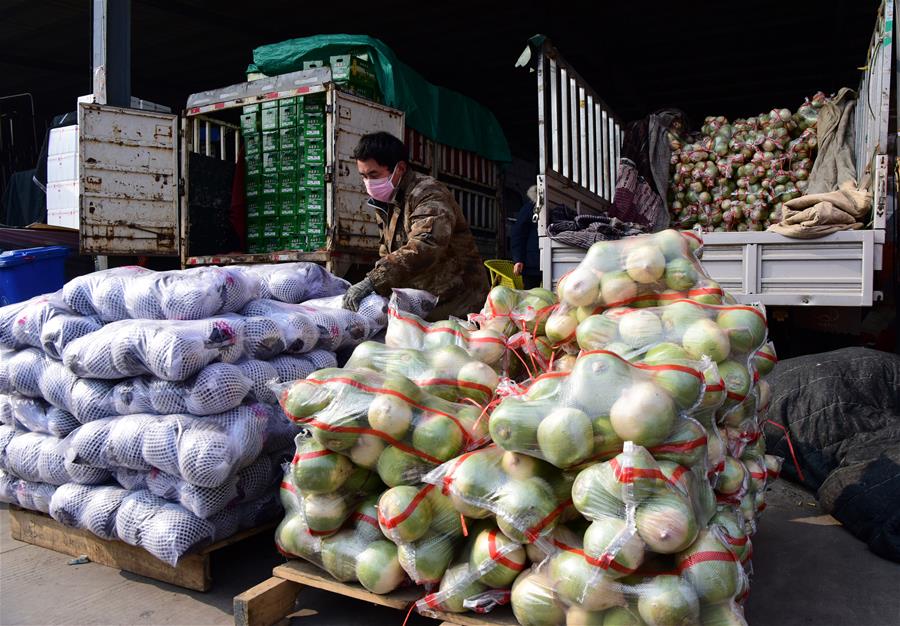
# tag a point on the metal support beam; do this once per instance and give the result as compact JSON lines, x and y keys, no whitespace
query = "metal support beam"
{"x":112,"y":52}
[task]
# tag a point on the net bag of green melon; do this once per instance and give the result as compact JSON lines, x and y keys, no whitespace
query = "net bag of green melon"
{"x":358,"y":552}
{"x":480,"y":578}
{"x":639,"y":271}
{"x":383,"y":422}
{"x":698,"y":585}
{"x":448,"y":372}
{"x":405,"y":329}
{"x":576,"y":418}
{"x":525,"y":496}
{"x":509,"y":311}
{"x":426,"y":528}
{"x":325,"y":487}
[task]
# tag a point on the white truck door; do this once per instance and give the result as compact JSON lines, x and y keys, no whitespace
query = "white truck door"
{"x":352,"y":223}
{"x":128,"y":189}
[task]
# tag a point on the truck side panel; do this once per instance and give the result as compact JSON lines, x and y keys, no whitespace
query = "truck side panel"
{"x":128,"y":188}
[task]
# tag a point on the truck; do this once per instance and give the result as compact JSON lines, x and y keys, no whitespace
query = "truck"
{"x":579,"y":142}
{"x":159,"y":184}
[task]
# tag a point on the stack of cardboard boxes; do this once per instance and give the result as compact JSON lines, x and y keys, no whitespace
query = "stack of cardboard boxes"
{"x":352,"y":73}
{"x":284,"y":148}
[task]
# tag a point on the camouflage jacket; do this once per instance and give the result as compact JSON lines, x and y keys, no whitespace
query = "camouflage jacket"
{"x":426,"y":244}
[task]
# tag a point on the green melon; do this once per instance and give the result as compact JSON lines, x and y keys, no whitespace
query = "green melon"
{"x":339,"y":555}
{"x":596,"y":331}
{"x":437,"y":436}
{"x":523,"y":507}
{"x":534,"y":602}
{"x":644,"y":414}
{"x":620,"y":550}
{"x":746,"y":328}
{"x":645,"y":264}
{"x":580,"y":583}
{"x":582,"y":287}
{"x":680,"y":274}
{"x":666,"y":523}
{"x":378,"y":568}
{"x":765,"y":359}
{"x":317,"y":469}
{"x":606,"y":443}
{"x":325,"y":512}
{"x":396,"y":467}
{"x":561,"y":326}
{"x":716,"y":579}
{"x":622,"y":616}
{"x":427,"y":559}
{"x":498,"y":557}
{"x":683,"y":445}
{"x":594,"y":381}
{"x":292,"y":535}
{"x":705,"y":338}
{"x":456,"y":586}
{"x":514,"y":424}
{"x":366,"y":451}
{"x":672,"y":244}
{"x":666,"y":600}
{"x":617,"y":289}
{"x":304,"y":399}
{"x":400,"y":517}
{"x":565,"y":437}
{"x":390,"y":415}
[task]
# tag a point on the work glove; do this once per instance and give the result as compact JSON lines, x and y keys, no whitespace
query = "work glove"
{"x":356,"y":293}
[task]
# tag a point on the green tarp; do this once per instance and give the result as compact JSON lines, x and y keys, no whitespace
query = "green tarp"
{"x":441,"y":114}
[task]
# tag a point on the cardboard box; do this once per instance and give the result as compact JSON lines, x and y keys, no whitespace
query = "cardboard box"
{"x":354,"y":70}
{"x":311,"y":65}
{"x":287,"y":183}
{"x":252,"y":145}
{"x":287,"y":113}
{"x":289,"y":161}
{"x":315,"y":176}
{"x":315,"y":201}
{"x":252,"y":187}
{"x":254,"y":209}
{"x":271,"y":162}
{"x":287,"y":138}
{"x":251,"y":108}
{"x":314,"y":129}
{"x":315,"y":242}
{"x":253,"y":166}
{"x":287,"y":206}
{"x":254,"y":231}
{"x":294,"y":242}
{"x":270,"y":141}
{"x":314,"y":103}
{"x":269,"y":116}
{"x":314,"y":152}
{"x":270,"y":208}
{"x":249,"y":123}
{"x":269,"y":186}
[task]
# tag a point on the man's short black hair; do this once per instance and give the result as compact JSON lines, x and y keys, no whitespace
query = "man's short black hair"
{"x":383,"y":147}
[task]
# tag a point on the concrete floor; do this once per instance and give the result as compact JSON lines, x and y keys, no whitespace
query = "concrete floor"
{"x":808,"y":572}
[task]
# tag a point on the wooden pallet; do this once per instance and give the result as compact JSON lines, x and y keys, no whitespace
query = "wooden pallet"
{"x":193,"y":571}
{"x":271,"y":601}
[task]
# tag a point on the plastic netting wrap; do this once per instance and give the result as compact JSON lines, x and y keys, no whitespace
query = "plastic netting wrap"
{"x":25,"y":493}
{"x":38,"y":416}
{"x":641,"y":271}
{"x":383,"y":422}
{"x":250,"y":483}
{"x":322,"y":323}
{"x":204,"y":451}
{"x":406,"y":329}
{"x":40,"y":458}
{"x":5,"y":355}
{"x":43,"y":322}
{"x":295,"y":282}
{"x":7,"y":432}
{"x":102,"y":293}
{"x":6,"y":413}
{"x":190,"y":294}
{"x":447,"y":372}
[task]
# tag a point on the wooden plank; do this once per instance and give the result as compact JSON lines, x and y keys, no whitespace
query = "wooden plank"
{"x":267,"y":603}
{"x":307,"y":574}
{"x":192,"y":571}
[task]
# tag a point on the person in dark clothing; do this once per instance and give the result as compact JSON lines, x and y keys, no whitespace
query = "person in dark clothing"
{"x":524,"y":242}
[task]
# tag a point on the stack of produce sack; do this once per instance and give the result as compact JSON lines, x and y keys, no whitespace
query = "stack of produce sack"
{"x":736,"y":176}
{"x":596,"y":460}
{"x":139,"y":404}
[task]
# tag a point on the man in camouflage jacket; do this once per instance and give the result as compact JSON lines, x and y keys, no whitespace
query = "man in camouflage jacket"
{"x":425,"y":240}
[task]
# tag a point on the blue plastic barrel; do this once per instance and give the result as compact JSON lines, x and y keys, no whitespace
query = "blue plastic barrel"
{"x":31,"y":272}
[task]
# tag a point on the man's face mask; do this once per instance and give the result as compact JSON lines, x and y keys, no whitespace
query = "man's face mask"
{"x":381,"y":189}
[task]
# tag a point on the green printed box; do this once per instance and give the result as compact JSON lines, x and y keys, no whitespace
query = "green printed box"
{"x":270,"y":162}
{"x":253,"y":166}
{"x":252,"y":186}
{"x":294,"y":242}
{"x":270,"y":229}
{"x":287,"y":183}
{"x":314,"y":103}
{"x":252,"y":145}
{"x":314,"y":152}
{"x":270,"y":208}
{"x":289,"y":161}
{"x":249,"y":123}
{"x":269,"y":115}
{"x":287,"y":205}
{"x":314,"y":130}
{"x":254,"y":209}
{"x":315,"y":176}
{"x":254,"y":232}
{"x":315,"y":201}
{"x":287,"y":139}
{"x":250,"y":108}
{"x":315,"y":242}
{"x":287,"y":113}
{"x":270,"y":141}
{"x":269,"y":187}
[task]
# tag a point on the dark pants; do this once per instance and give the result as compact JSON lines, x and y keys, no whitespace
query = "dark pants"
{"x":531,"y":280}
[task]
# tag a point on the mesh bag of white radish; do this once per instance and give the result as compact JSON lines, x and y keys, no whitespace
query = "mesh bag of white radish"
{"x":448,"y":372}
{"x":570,"y":419}
{"x":25,"y":493}
{"x":247,"y":484}
{"x":295,"y":282}
{"x":204,"y":451}
{"x":427,"y":529}
{"x":406,"y":329}
{"x":41,"y":458}
{"x":38,"y":416}
{"x":43,"y":322}
{"x":190,"y":294}
{"x":174,"y":350}
{"x":639,"y":271}
{"x":526,"y":497}
{"x":316,"y":325}
{"x":5,"y":355}
{"x":385,"y":423}
{"x":7,"y":432}
{"x":324,"y":487}
{"x":102,"y":293}
{"x":480,"y":579}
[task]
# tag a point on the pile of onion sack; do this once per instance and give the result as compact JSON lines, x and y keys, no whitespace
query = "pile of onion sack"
{"x":591,"y":459}
{"x":736,"y":176}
